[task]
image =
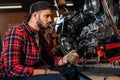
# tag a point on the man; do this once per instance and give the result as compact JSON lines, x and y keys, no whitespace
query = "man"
{"x":26,"y":53}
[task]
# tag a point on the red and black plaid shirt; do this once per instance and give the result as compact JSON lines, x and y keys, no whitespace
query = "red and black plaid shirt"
{"x":20,"y":52}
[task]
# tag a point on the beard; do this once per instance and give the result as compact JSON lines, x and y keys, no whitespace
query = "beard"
{"x":40,"y":25}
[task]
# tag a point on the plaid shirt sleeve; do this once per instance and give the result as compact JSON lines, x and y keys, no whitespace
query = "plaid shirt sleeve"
{"x":12,"y":45}
{"x":50,"y":55}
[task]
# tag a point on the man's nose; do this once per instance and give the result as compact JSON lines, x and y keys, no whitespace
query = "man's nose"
{"x":50,"y":19}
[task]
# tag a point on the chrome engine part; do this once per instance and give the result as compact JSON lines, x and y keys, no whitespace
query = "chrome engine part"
{"x":82,"y":30}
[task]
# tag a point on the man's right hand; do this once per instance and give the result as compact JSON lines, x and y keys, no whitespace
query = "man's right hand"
{"x":72,"y":57}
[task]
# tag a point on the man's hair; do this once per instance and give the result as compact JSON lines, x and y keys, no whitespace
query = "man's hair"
{"x":38,"y":6}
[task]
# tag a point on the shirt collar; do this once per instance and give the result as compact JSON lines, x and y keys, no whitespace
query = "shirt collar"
{"x":30,"y":29}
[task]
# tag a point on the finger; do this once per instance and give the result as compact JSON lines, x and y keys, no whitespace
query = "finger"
{"x":76,"y":61}
{"x":73,"y":51}
{"x":74,"y":55}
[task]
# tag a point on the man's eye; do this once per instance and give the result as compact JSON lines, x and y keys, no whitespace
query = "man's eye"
{"x":47,"y":15}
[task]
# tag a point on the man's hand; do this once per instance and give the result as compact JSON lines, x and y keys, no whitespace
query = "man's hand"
{"x":48,"y":71}
{"x":42,"y":71}
{"x":72,"y":58}
{"x":39,"y":71}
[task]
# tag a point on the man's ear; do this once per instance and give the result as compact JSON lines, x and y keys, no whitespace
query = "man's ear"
{"x":35,"y":15}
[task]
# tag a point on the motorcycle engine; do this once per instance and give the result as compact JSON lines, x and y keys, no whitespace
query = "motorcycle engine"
{"x":82,"y":30}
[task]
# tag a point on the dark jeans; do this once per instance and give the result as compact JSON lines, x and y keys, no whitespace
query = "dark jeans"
{"x":40,"y":77}
{"x":68,"y":72}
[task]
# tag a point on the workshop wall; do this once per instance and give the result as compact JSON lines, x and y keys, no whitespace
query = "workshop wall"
{"x":8,"y":19}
